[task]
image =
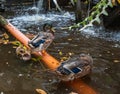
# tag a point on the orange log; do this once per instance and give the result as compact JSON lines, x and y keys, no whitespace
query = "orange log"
{"x":17,"y":34}
{"x":50,"y":62}
{"x":78,"y":85}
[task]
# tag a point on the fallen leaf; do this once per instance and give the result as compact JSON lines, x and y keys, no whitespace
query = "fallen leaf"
{"x":69,"y":39}
{"x":73,"y":93}
{"x":40,"y":91}
{"x":60,"y":53}
{"x":116,"y":61}
{"x":70,"y":53}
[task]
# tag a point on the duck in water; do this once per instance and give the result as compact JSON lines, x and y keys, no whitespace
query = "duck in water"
{"x":75,"y":68}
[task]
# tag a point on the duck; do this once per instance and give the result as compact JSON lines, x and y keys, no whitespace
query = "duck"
{"x":75,"y":68}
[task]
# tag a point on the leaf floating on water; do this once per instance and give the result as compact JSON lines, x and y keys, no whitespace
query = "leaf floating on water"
{"x":40,"y":91}
{"x":17,"y":43}
{"x":100,"y":54}
{"x":2,"y":93}
{"x":5,"y":35}
{"x":116,"y":61}
{"x":70,"y":53}
{"x":73,"y":93}
{"x":63,"y":59}
{"x":69,"y":39}
{"x":20,"y":75}
{"x":36,"y":59}
{"x":9,"y":52}
{"x":60,"y":53}
{"x":15,"y":47}
{"x":1,"y":74}
{"x":5,"y":41}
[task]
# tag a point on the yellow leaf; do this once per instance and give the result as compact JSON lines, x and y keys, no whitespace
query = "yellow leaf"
{"x":14,"y":47}
{"x":118,"y":1}
{"x":70,"y":53}
{"x":114,"y":2}
{"x":40,"y":91}
{"x":6,"y":35}
{"x":16,"y":43}
{"x":60,"y":53}
{"x":73,"y":93}
{"x":116,"y":61}
{"x":63,"y":59}
{"x":24,"y":48}
{"x":6,"y":41}
{"x":69,"y":39}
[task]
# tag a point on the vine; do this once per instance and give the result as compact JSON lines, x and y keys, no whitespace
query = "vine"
{"x":98,"y":10}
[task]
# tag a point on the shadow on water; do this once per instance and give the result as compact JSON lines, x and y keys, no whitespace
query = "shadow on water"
{"x":17,"y":76}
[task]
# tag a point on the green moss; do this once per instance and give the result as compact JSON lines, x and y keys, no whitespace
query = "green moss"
{"x":3,"y":21}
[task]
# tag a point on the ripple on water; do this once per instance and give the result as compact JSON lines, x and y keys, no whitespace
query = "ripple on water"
{"x":25,"y":21}
{"x":100,"y":32}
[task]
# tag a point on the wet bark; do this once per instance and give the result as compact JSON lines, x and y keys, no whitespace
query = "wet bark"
{"x":81,"y":10}
{"x":78,"y":11}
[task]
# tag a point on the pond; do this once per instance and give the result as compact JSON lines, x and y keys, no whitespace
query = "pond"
{"x":18,"y":77}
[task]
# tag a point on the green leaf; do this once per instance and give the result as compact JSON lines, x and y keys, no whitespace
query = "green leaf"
{"x":104,"y":12}
{"x":97,"y":19}
{"x":17,"y":43}
{"x":110,"y":3}
{"x":70,"y":28}
{"x":78,"y":24}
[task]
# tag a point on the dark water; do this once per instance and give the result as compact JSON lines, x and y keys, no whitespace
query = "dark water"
{"x":18,"y":77}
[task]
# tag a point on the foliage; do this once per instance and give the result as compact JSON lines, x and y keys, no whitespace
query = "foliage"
{"x":75,"y":0}
{"x":98,"y":10}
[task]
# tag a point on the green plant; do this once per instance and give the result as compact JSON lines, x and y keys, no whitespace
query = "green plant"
{"x":97,"y":11}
